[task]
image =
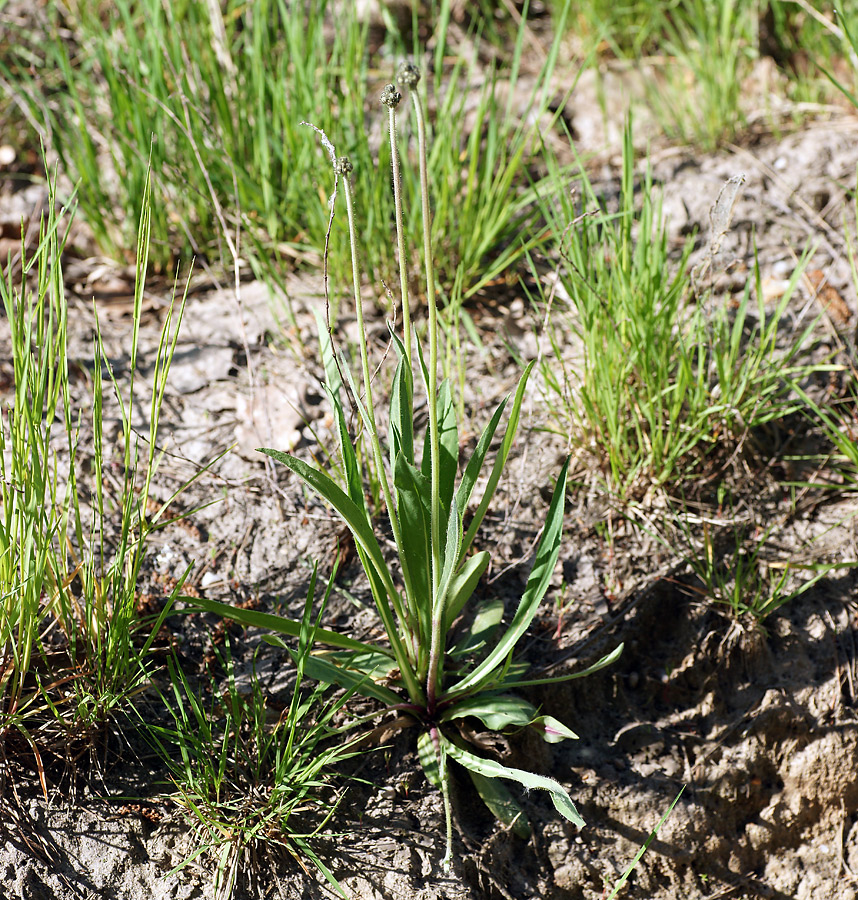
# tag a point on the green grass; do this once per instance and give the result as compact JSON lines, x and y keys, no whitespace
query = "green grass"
{"x":218,"y":105}
{"x":702,"y":56}
{"x":248,"y":778}
{"x":664,"y":385}
{"x":711,"y":47}
{"x":70,"y":557}
{"x":748,"y":580}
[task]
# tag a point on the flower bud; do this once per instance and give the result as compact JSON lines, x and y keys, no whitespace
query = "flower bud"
{"x":343,"y":166}
{"x":390,"y":97}
{"x":409,"y":74}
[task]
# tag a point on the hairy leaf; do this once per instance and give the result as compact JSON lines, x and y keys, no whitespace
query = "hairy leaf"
{"x":255,"y":619}
{"x":414,"y":497}
{"x":429,"y":758}
{"x":451,"y":556}
{"x":537,"y":584}
{"x":482,"y":629}
{"x":464,"y":584}
{"x":501,"y":802}
{"x":495,"y":712}
{"x":492,"y":769}
{"x":552,"y":730}
{"x":354,"y":484}
{"x":500,"y":460}
{"x":319,"y":669}
{"x":475,"y":463}
{"x":611,"y":657}
{"x":401,"y":432}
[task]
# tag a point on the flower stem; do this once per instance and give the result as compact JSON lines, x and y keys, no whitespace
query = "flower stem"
{"x":390,"y":97}
{"x":410,"y":75}
{"x":343,"y":168}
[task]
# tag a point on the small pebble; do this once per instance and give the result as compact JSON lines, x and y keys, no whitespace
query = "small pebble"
{"x":210,"y":578}
{"x":7,"y":155}
{"x":780,"y":164}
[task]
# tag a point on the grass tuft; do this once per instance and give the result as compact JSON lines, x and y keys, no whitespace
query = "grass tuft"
{"x":70,"y":633}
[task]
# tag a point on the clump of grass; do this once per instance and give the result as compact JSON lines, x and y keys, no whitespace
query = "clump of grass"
{"x":223,"y":94}
{"x":704,"y":81}
{"x":220,"y":92}
{"x":70,"y":635}
{"x":663,"y":385}
{"x":746,"y":581}
{"x":631,"y":28}
{"x":446,"y":660}
{"x":248,"y":779}
{"x":710,"y":48}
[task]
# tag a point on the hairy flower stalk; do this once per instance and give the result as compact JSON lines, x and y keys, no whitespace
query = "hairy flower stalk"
{"x":391,"y":97}
{"x":343,"y":169}
{"x":409,"y":75}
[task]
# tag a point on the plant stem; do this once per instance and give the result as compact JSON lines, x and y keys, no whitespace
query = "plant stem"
{"x":343,"y":168}
{"x":390,"y":98}
{"x":432,"y":391}
{"x":444,"y":775}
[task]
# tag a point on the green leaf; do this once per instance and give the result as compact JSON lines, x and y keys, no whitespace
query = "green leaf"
{"x":361,"y":408}
{"x":475,"y":463}
{"x":448,"y":439}
{"x":501,"y":802}
{"x":611,"y":657}
{"x":301,"y":843}
{"x":500,"y":460}
{"x":485,"y":624}
{"x":349,"y":511}
{"x":495,"y":712}
{"x":378,"y":664}
{"x":254,"y":619}
{"x":645,"y":846}
{"x":482,"y":629}
{"x":552,"y":730}
{"x":354,"y":484}
{"x":319,"y":669}
{"x":429,"y":758}
{"x":401,"y":432}
{"x":371,"y":558}
{"x":424,"y":371}
{"x":537,"y":585}
{"x":464,"y":584}
{"x":452,"y":547}
{"x":490,"y":768}
{"x":414,"y":497}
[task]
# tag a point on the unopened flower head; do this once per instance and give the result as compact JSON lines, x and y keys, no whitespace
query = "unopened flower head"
{"x":390,"y":97}
{"x":408,"y":74}
{"x":343,"y":166}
